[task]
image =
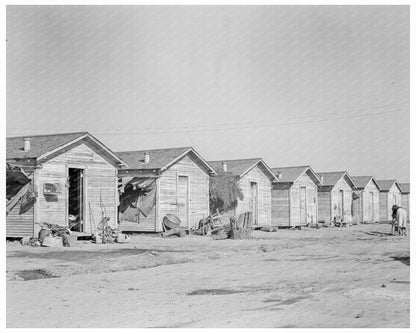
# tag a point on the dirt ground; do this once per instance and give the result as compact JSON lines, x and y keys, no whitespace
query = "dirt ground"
{"x":331,"y":277}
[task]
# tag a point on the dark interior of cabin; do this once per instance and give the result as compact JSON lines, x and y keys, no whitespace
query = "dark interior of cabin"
{"x":75,"y":198}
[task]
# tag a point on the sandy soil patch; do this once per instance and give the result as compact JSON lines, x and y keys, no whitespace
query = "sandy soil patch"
{"x":343,"y":277}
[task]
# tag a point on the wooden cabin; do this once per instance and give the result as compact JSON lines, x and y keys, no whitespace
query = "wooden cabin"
{"x":295,"y":197}
{"x":390,"y":194}
{"x":366,"y":200}
{"x":406,"y":197}
{"x":335,"y":197}
{"x":255,"y":178}
{"x":178,"y":179}
{"x":70,"y":173}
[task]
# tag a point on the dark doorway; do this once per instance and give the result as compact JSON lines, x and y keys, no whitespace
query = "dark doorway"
{"x":76,"y":199}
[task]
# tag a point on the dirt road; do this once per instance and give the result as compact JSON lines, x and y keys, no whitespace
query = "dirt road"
{"x":349,"y":277}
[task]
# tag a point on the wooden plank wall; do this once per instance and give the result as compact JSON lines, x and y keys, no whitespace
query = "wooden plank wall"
{"x":367,"y":214}
{"x":336,"y":200}
{"x":100,"y":182}
{"x":19,"y":225}
{"x":264,"y":186}
{"x":311,"y":200}
{"x":324,"y":206}
{"x":383,"y":206}
{"x":405,"y":204}
{"x":387,"y":201}
{"x":280,"y":205}
{"x":198,"y":191}
{"x":357,"y":209}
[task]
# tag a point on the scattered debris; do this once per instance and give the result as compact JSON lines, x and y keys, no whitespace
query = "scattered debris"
{"x":171,"y":226}
{"x":360,"y":315}
{"x":105,"y":234}
{"x":383,"y":286}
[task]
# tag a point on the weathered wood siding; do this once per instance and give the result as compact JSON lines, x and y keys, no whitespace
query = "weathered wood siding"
{"x":405,"y":203}
{"x":280,"y":205}
{"x":19,"y":225}
{"x":367,"y":197}
{"x":336,"y":200}
{"x":387,"y":200}
{"x":264,"y":187}
{"x":324,"y":207}
{"x":198,"y":191}
{"x":100,"y":184}
{"x":311,"y":201}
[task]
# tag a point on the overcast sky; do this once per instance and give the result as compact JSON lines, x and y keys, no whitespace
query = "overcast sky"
{"x":326,"y":86}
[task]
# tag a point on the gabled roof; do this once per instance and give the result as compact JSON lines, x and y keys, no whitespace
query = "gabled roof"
{"x":292,"y":174}
{"x":160,"y":159}
{"x":332,"y":178}
{"x":386,"y":185}
{"x":41,"y":146}
{"x":241,"y":167}
{"x":405,"y":187}
{"x":362,"y":181}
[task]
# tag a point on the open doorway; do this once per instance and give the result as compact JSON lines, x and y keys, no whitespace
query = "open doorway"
{"x":76,"y":199}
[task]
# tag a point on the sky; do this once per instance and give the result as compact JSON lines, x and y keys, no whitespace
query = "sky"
{"x":326,"y":86}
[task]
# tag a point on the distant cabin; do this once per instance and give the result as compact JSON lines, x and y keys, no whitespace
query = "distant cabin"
{"x":406,"y":197}
{"x":70,"y":173}
{"x":255,"y":178}
{"x":181,"y":186}
{"x":295,"y":197}
{"x":366,"y":200}
{"x":390,"y":194}
{"x":335,"y":196}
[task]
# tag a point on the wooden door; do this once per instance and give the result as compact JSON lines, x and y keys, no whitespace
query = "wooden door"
{"x":372,"y":206}
{"x":254,"y":204}
{"x":303,"y":206}
{"x":183,"y":200}
{"x":341,"y":204}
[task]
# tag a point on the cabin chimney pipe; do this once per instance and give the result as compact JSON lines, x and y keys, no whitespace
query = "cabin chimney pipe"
{"x":146,"y":158}
{"x":321,"y":178}
{"x":26,"y":144}
{"x":224,"y":166}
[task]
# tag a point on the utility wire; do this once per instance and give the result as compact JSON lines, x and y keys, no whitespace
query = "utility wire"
{"x":223,"y":124}
{"x":246,"y":127}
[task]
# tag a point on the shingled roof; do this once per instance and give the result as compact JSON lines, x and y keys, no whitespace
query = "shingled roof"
{"x":160,"y":159}
{"x":362,"y":181}
{"x":42,"y":145}
{"x":291,"y":174}
{"x":386,"y":185}
{"x":405,"y":187}
{"x":242,"y":166}
{"x":332,"y":178}
{"x":39,"y":144}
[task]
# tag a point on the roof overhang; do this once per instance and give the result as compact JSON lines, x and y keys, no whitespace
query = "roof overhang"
{"x":314,"y":175}
{"x":186,"y":152}
{"x":88,"y":136}
{"x":272,"y":176}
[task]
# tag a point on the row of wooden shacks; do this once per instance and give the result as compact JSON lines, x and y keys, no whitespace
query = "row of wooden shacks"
{"x":74,"y":173}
